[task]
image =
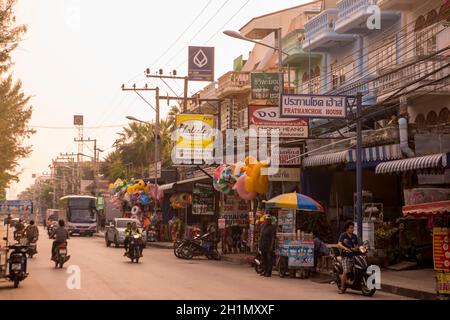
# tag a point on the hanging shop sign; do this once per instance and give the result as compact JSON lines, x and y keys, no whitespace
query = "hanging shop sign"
{"x":203,"y":199}
{"x":313,"y":106}
{"x":235,"y":211}
{"x":201,"y":64}
{"x":286,"y":221}
{"x":155,"y":173}
{"x":268,"y":118}
{"x":286,"y":156}
{"x":286,"y":175}
{"x":78,"y":120}
{"x":265,"y":86}
{"x":443,"y":283}
{"x":441,"y":249}
{"x":16,"y":207}
{"x":194,"y":138}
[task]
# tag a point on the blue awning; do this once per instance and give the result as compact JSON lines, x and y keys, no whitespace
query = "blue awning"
{"x":372,"y":155}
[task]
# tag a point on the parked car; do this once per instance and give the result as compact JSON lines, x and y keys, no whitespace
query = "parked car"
{"x":115,"y":231}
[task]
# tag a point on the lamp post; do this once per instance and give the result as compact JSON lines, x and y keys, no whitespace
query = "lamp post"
{"x":278,"y":48}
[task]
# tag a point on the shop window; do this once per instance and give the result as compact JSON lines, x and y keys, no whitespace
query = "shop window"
{"x":432,"y":118}
{"x":444,"y":116}
{"x":420,"y":120}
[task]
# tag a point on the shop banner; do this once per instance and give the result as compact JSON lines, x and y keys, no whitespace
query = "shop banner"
{"x":286,"y":221}
{"x":443,"y":283}
{"x":300,"y":253}
{"x":268,"y":118}
{"x":441,"y":250}
{"x":286,"y":156}
{"x":265,"y":86}
{"x":235,"y":211}
{"x":286,"y":175}
{"x":194,"y":138}
{"x":16,"y":207}
{"x":203,"y":199}
{"x":313,"y":106}
{"x":201,"y":64}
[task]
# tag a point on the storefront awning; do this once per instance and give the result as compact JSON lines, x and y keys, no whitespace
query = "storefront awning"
{"x":411,"y":164}
{"x":427,"y":209}
{"x":372,"y":154}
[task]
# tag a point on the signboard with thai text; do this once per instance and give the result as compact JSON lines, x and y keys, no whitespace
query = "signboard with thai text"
{"x":265,"y":86}
{"x":441,"y":249}
{"x":313,"y":106}
{"x":268,"y":118}
{"x":286,"y":175}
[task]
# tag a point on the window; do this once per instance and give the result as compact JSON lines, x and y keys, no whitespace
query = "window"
{"x":337,"y":75}
{"x":425,"y":33}
{"x":432,"y":118}
{"x":420,"y":120}
{"x":444,"y":116}
{"x":384,"y":55}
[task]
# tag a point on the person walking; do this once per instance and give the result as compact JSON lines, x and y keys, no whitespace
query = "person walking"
{"x":266,"y":245}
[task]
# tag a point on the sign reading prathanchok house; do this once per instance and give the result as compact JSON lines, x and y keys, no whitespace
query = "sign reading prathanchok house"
{"x":313,"y":106}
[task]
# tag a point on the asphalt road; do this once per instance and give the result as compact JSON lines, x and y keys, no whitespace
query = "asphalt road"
{"x":106,"y":274}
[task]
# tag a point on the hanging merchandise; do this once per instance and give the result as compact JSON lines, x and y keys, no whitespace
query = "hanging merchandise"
{"x":181,"y":201}
{"x":241,"y":190}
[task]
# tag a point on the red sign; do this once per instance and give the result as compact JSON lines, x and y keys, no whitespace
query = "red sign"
{"x":78,"y":120}
{"x":268,"y":117}
{"x":441,"y":250}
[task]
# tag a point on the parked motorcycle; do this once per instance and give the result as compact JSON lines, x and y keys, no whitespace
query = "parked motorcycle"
{"x":202,"y":246}
{"x":134,"y":248}
{"x":32,"y":247}
{"x":279,"y":263}
{"x":60,"y":256}
{"x":17,"y":264}
{"x":357,"y":278}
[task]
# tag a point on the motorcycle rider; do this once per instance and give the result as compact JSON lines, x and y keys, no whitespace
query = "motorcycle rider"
{"x":61,"y":236}
{"x":266,"y":245}
{"x":19,"y":230}
{"x":347,"y":241}
{"x":31,"y":232}
{"x":131,"y":232}
{"x":127,"y":237}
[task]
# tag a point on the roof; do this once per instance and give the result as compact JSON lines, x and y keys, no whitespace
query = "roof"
{"x":280,"y":11}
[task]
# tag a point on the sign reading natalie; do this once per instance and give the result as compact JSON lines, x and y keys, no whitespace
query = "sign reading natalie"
{"x":313,"y":106}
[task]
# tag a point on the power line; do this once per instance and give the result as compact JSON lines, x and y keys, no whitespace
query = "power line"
{"x":198,"y":32}
{"x":71,"y":128}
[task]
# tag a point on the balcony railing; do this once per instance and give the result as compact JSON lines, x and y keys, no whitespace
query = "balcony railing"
{"x":314,"y":87}
{"x":320,"y":32}
{"x":410,"y":76}
{"x":233,"y":83}
{"x":353,"y":15}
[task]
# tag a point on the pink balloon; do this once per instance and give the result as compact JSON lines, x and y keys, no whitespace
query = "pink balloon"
{"x":239,"y":186}
{"x":218,"y":171}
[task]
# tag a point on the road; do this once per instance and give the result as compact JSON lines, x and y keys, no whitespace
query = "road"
{"x":106,"y":274}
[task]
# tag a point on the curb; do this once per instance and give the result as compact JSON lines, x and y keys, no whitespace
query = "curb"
{"x":241,"y":261}
{"x":159,"y":246}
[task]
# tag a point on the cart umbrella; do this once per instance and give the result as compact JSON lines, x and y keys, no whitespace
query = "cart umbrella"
{"x":294,"y":201}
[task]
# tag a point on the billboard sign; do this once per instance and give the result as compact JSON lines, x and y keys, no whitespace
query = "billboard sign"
{"x":265,"y":86}
{"x":268,"y":118}
{"x":16,"y":207}
{"x":201,"y":64}
{"x":194,"y":138}
{"x":313,"y":106}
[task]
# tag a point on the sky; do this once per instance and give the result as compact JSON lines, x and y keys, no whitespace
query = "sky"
{"x":77,"y":54}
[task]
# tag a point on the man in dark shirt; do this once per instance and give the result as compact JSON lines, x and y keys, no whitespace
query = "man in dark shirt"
{"x":61,"y":235}
{"x":347,"y":241}
{"x":266,"y":244}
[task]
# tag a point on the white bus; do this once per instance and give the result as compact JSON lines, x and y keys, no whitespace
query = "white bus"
{"x":81,"y":214}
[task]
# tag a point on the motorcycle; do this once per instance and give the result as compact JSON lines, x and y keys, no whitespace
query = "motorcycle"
{"x":50,"y":229}
{"x":201,"y":246}
{"x":134,"y":248}
{"x":357,"y":278}
{"x":32,"y":247}
{"x":60,"y":256}
{"x":17,"y":264}
{"x":279,"y":264}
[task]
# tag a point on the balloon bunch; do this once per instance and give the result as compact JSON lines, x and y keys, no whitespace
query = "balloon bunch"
{"x":181,"y":201}
{"x":134,"y":192}
{"x":224,"y":179}
{"x":253,"y":181}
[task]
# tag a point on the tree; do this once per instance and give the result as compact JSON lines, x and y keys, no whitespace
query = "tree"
{"x":14,"y":109}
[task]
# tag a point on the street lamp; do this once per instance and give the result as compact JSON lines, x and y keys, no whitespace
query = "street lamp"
{"x":156,"y":133}
{"x":278,"y":48}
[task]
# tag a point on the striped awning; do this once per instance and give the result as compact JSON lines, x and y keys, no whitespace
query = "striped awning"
{"x":372,"y":154}
{"x":411,"y":164}
{"x":427,"y":209}
{"x":325,"y":159}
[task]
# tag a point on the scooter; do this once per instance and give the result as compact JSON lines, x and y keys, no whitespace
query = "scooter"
{"x":32,"y":247}
{"x":17,"y":264}
{"x":60,"y":257}
{"x":134,"y":248}
{"x":202,"y":246}
{"x":50,"y":229}
{"x":357,"y":278}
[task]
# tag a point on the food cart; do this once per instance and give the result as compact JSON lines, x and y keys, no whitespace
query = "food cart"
{"x":295,"y":249}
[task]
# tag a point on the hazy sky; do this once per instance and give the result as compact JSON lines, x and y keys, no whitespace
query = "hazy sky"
{"x":77,"y":53}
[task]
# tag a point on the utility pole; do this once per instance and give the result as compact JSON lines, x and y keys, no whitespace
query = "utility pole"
{"x":359,"y":192}
{"x":82,"y":140}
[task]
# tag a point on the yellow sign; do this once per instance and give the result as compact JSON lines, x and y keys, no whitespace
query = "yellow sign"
{"x":443,"y":283}
{"x":194,"y":136}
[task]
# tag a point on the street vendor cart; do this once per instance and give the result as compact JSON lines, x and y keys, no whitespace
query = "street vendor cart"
{"x":295,"y":249}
